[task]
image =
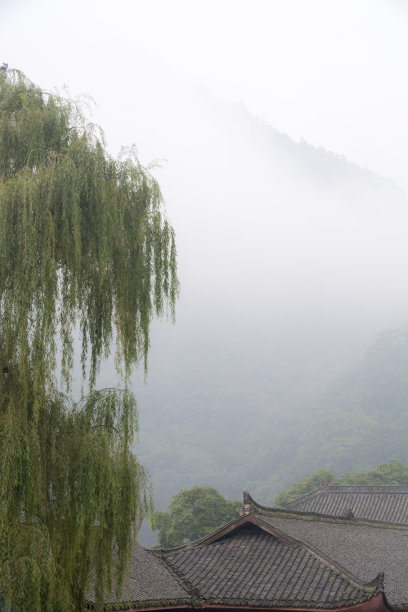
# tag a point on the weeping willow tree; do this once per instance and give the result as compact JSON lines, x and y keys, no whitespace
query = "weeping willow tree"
{"x":85,"y":248}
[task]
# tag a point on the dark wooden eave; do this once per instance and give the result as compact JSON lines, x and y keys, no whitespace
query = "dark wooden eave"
{"x":376,"y":604}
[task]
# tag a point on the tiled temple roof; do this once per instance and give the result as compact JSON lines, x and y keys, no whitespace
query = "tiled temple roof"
{"x":250,"y":566}
{"x":279,"y":559}
{"x":246,"y":563}
{"x":149,"y":583}
{"x":383,"y":503}
{"x":362,"y":546}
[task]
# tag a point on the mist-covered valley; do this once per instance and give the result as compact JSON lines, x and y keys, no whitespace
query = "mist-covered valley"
{"x":292,"y":264}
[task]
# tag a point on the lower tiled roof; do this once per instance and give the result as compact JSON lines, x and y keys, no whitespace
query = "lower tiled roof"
{"x":364,"y":547}
{"x":277,"y":558}
{"x":245,"y":563}
{"x":251,"y":567}
{"x":149,"y":583}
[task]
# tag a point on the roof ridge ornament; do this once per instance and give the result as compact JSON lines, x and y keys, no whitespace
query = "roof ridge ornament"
{"x":348,"y":513}
{"x":377,"y":583}
{"x":247,"y":503}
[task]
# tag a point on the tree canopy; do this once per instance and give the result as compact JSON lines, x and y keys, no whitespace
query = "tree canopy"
{"x":85,"y":249}
{"x":392,"y":473}
{"x":192,"y":514}
{"x":318,"y":478}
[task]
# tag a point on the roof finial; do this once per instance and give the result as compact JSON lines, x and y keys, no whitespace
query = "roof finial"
{"x":247,"y":502}
{"x":348,"y":513}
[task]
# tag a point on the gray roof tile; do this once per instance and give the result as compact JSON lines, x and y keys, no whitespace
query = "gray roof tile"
{"x":149,"y":581}
{"x":382,"y":503}
{"x":249,"y":566}
{"x":281,"y":558}
{"x":362,"y":546}
{"x":245,"y":563}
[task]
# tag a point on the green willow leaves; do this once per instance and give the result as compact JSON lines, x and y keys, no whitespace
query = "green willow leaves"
{"x":84,"y":245}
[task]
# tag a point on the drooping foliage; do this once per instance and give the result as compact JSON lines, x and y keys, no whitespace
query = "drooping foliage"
{"x":194,"y":513}
{"x":85,"y":248}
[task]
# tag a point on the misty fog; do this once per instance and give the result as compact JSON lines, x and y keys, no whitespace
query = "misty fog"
{"x":292,"y":261}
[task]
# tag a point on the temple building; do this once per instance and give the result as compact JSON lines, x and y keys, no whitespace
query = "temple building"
{"x":378,"y":503}
{"x":279,"y":559}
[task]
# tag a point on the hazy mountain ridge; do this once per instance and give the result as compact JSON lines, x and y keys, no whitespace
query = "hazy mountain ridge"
{"x":292,"y":259}
{"x":308,"y":161}
{"x":312,"y":161}
{"x":360,"y":418}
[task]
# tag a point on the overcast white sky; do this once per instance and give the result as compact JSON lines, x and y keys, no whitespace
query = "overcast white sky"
{"x":330,"y":71}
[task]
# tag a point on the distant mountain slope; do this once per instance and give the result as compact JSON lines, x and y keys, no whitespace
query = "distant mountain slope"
{"x":291,"y":261}
{"x":210,"y":437}
{"x":366,"y":409}
{"x":359,"y":420}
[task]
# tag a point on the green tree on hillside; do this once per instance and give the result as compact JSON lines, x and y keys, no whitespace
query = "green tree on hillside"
{"x":84,"y":243}
{"x":192,"y":514}
{"x":319,"y":478}
{"x":392,"y":473}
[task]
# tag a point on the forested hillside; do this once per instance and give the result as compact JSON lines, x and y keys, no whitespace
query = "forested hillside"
{"x":393,"y":472}
{"x":356,"y":422}
{"x":359,"y":420}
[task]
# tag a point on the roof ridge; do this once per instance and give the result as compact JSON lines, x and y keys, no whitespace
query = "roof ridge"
{"x":335,"y":488}
{"x":363,"y":591}
{"x":194,"y":542}
{"x":228,"y":528}
{"x":309,"y":515}
{"x":374,"y":586}
{"x":309,"y":495}
{"x":382,"y":487}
